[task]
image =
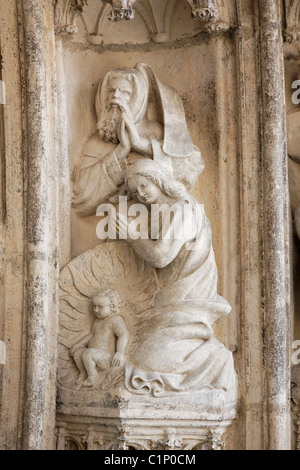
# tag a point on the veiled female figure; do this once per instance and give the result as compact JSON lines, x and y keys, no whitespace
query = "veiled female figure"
{"x":176,"y":350}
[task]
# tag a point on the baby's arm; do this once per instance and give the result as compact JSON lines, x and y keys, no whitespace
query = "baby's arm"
{"x":119,"y":328}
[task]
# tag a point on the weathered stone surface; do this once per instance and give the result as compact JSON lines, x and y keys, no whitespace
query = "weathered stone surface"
{"x":153,"y":161}
{"x":2,"y":353}
{"x":276,"y":227}
{"x":292,"y":18}
{"x":150,"y":20}
{"x":231,"y":85}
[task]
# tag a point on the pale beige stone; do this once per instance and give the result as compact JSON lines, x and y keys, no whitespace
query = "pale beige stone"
{"x":228,"y":73}
{"x":2,"y":353}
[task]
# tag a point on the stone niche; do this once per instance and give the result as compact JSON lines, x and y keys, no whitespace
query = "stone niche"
{"x":146,"y":111}
{"x":292,"y":81}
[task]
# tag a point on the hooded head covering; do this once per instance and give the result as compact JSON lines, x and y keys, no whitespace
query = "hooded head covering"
{"x":177,"y":141}
{"x":139,"y":98}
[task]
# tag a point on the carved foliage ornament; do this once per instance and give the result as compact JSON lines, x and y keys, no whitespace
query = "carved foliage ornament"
{"x":204,"y":9}
{"x":121,"y":9}
{"x":67,"y":11}
{"x":94,"y":438}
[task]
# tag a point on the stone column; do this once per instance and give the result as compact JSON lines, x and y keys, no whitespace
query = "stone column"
{"x":275,"y":225}
{"x":41,"y":228}
{"x":263,"y":346}
{"x":11,"y":226}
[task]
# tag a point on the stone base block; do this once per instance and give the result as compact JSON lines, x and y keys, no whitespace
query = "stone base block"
{"x":118,"y":420}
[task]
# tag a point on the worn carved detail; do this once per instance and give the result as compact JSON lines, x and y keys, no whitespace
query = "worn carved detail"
{"x":66,"y":12}
{"x":292,"y":32}
{"x":2,"y":353}
{"x":204,"y":9}
{"x":217,"y":27}
{"x":133,"y":436}
{"x":157,"y":17}
{"x":121,"y":9}
{"x":170,"y":443}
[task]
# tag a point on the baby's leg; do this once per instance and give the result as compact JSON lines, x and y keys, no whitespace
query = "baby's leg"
{"x":93,"y":358}
{"x":79,"y":363}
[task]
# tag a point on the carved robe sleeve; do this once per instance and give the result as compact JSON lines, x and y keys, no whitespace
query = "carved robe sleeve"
{"x":95,"y":180}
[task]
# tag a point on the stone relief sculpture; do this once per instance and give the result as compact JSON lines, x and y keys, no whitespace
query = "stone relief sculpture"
{"x":99,"y":352}
{"x":186,"y":304}
{"x":154,"y":295}
{"x":153,"y":161}
{"x":101,"y":278}
{"x":204,"y":9}
{"x":138,"y":116}
{"x":65,"y":14}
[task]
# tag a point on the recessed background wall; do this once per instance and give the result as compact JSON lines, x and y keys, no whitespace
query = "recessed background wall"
{"x":202,"y":68}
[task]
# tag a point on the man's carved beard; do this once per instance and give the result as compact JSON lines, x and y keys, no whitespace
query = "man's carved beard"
{"x":107,"y":126}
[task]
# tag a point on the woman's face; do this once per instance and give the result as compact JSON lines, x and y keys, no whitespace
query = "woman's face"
{"x":143,"y":190}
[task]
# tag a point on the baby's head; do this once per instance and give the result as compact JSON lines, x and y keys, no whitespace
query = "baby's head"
{"x":105,"y":302}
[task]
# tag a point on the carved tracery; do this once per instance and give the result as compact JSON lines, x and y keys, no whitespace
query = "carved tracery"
{"x":157,"y":17}
{"x":66,"y":13}
{"x":292,"y":12}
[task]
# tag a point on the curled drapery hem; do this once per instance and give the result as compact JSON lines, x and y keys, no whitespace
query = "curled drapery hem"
{"x":210,"y":366}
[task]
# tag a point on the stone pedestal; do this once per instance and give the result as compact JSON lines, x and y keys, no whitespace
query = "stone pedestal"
{"x":119,"y":420}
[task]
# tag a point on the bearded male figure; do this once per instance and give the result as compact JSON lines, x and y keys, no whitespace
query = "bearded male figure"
{"x":131,"y":126}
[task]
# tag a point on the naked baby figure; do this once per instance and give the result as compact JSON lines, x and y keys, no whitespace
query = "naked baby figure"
{"x":106,"y":344}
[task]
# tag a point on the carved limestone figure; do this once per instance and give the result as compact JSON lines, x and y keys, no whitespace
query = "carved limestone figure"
{"x":176,"y":349}
{"x":108,"y":266}
{"x":143,"y":148}
{"x":138,"y":117}
{"x":106,"y":344}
